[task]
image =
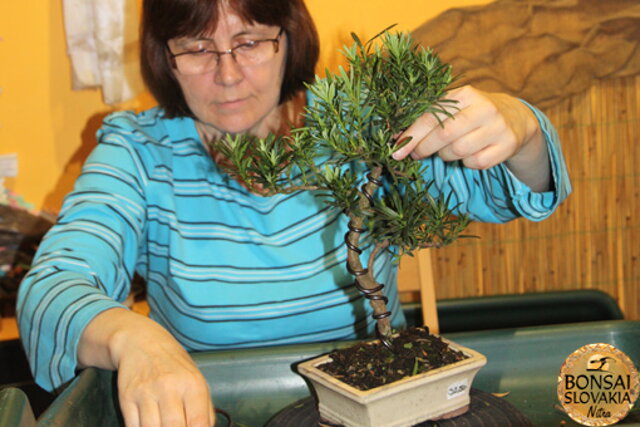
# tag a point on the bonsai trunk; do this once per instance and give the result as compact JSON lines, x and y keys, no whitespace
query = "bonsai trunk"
{"x":365,"y":280}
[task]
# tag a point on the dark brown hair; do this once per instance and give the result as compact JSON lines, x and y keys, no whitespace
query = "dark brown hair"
{"x":163,"y":20}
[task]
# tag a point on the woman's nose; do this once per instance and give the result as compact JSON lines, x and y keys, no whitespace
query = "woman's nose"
{"x":228,"y":71}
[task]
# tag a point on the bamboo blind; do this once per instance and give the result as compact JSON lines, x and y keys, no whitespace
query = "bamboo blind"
{"x":593,"y":240}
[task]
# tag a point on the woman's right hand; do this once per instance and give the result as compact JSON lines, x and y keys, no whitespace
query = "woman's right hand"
{"x":158,"y":382}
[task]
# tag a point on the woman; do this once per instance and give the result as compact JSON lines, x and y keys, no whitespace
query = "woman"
{"x":226,"y":268}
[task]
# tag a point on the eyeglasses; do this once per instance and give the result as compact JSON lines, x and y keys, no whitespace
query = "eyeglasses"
{"x":200,"y":60}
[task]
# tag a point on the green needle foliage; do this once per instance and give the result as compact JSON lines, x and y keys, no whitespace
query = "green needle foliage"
{"x":344,"y":150}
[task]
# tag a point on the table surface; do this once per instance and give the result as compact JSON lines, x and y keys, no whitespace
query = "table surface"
{"x":253,"y":385}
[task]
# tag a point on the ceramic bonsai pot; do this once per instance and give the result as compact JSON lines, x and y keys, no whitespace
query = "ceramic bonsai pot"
{"x":439,"y":393}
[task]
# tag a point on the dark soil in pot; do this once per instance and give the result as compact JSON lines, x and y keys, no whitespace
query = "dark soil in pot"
{"x":370,"y":364}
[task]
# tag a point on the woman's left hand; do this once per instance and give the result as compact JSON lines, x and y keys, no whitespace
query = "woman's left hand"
{"x":485,"y":129}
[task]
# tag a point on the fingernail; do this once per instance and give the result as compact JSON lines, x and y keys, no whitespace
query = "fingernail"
{"x":402,"y":140}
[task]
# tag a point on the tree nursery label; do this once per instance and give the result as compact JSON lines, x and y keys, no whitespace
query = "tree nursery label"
{"x":598,"y":385}
{"x":456,"y":389}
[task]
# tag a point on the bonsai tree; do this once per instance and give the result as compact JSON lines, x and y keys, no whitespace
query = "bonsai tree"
{"x":344,"y":154}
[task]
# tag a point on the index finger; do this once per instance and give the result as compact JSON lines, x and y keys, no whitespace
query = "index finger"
{"x":198,"y":407}
{"x":420,"y":130}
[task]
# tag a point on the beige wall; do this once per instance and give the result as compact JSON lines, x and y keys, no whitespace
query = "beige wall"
{"x":52,"y":128}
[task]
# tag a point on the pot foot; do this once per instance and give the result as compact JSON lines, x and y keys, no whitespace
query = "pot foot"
{"x":452,"y":414}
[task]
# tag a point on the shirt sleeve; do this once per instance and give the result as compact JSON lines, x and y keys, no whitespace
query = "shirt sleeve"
{"x":85,"y":263}
{"x":496,"y":194}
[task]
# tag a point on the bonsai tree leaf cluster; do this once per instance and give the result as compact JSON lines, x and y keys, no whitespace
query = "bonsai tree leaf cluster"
{"x":344,"y":153}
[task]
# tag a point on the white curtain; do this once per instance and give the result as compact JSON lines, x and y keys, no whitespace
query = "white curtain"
{"x":102,"y":42}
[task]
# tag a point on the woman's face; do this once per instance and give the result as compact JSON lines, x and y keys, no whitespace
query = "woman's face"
{"x":234,"y":98}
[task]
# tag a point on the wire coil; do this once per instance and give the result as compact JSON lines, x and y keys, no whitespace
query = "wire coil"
{"x":370,"y":294}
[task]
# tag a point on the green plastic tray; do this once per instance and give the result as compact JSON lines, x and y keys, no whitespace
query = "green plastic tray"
{"x":15,"y":410}
{"x":519,"y":310}
{"x":255,"y":384}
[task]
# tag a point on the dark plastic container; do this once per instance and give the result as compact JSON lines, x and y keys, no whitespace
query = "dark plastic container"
{"x":253,"y":385}
{"x":264,"y":377}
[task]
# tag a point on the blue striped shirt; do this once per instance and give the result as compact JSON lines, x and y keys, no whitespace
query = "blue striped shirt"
{"x":224,"y":268}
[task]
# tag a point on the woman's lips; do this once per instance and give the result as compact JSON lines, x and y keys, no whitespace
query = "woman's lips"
{"x":232,"y":104}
